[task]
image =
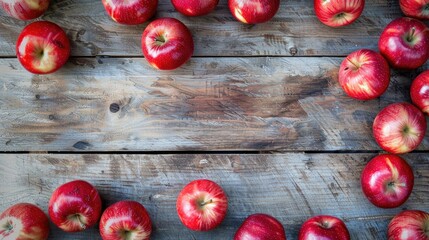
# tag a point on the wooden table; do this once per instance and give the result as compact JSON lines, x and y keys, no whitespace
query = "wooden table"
{"x":258,"y":109}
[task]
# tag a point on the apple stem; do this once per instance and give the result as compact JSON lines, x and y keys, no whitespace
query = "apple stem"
{"x":411,"y":35}
{"x":354,"y":64}
{"x":206,"y":202}
{"x":160,"y":40}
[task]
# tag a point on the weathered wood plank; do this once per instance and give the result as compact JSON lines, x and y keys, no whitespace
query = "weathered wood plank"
{"x":295,"y":30}
{"x":291,"y":187}
{"x":209,"y":104}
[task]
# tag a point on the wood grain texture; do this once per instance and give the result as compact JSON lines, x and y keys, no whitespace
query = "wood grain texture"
{"x":295,"y":30}
{"x":111,"y":104}
{"x":291,"y":187}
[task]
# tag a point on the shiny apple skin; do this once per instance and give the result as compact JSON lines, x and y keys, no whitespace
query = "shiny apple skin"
{"x":260,"y":226}
{"x":420,"y":91}
{"x":24,"y":221}
{"x":25,"y":9}
{"x":175,"y":51}
{"x":364,"y":75}
{"x":338,"y":13}
{"x":409,"y":225}
{"x":75,"y":206}
{"x":191,"y":209}
{"x":42,"y":47}
{"x":400,"y":52}
{"x":194,"y":8}
{"x":130,"y":12}
{"x":415,"y":8}
{"x":399,"y":128}
{"x":324,"y":227}
{"x":253,"y":11}
{"x":387,"y":181}
{"x":125,"y":220}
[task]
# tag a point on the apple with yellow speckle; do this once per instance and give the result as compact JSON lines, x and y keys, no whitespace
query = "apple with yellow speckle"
{"x":42,"y":47}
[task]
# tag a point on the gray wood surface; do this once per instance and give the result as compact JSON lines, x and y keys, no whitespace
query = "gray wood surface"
{"x":291,"y":187}
{"x":268,"y":103}
{"x":295,"y":30}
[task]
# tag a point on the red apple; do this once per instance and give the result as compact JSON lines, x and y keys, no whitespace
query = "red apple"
{"x":405,"y":43}
{"x":253,"y":11}
{"x":125,"y":220}
{"x":130,"y":12}
{"x":409,"y":225}
{"x":193,"y":8}
{"x":260,"y":227}
{"x":338,"y":13}
{"x":399,"y":128}
{"x":202,"y":205}
{"x":167,"y":43}
{"x":415,"y":8}
{"x":25,"y":9}
{"x":387,"y":181}
{"x":75,"y":206}
{"x":420,"y":91}
{"x":324,"y":227}
{"x":42,"y":47}
{"x":364,"y":74}
{"x":24,"y":221}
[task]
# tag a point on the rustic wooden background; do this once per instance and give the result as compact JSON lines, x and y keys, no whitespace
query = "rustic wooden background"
{"x":257,"y":109}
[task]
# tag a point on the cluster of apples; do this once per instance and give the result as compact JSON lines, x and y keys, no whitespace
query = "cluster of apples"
{"x":387,"y":180}
{"x":43,"y":47}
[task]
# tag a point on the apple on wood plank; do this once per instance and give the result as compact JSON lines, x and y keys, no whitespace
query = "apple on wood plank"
{"x":25,"y":9}
{"x":125,"y":220}
{"x":387,"y":181}
{"x":42,"y":47}
{"x":405,"y":43}
{"x":415,"y":8}
{"x":364,"y":74}
{"x":324,"y":227}
{"x":75,"y":206}
{"x":338,"y":13}
{"x":260,"y":226}
{"x":253,"y":11}
{"x":194,"y":8}
{"x":24,"y":221}
{"x":130,"y":12}
{"x":399,"y":128}
{"x":202,"y":205}
{"x":167,"y":43}
{"x":409,"y":225}
{"x":419,"y":91}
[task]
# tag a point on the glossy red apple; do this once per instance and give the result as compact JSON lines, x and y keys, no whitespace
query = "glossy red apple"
{"x":405,"y":43}
{"x":420,"y":91}
{"x":130,"y":12}
{"x":338,"y":13}
{"x":409,"y":225}
{"x":324,"y":227}
{"x":260,"y":227}
{"x":75,"y":206}
{"x":253,"y":11}
{"x":364,"y":74}
{"x":125,"y":220}
{"x":25,"y":9}
{"x":42,"y":47}
{"x":415,"y":8}
{"x":202,"y":205}
{"x":24,"y":221}
{"x":399,"y":128}
{"x":193,"y":8}
{"x":167,"y":43}
{"x":387,"y":181}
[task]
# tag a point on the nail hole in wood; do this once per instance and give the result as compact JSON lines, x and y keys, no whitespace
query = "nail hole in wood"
{"x":51,"y":117}
{"x":37,"y":96}
{"x":114,"y":107}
